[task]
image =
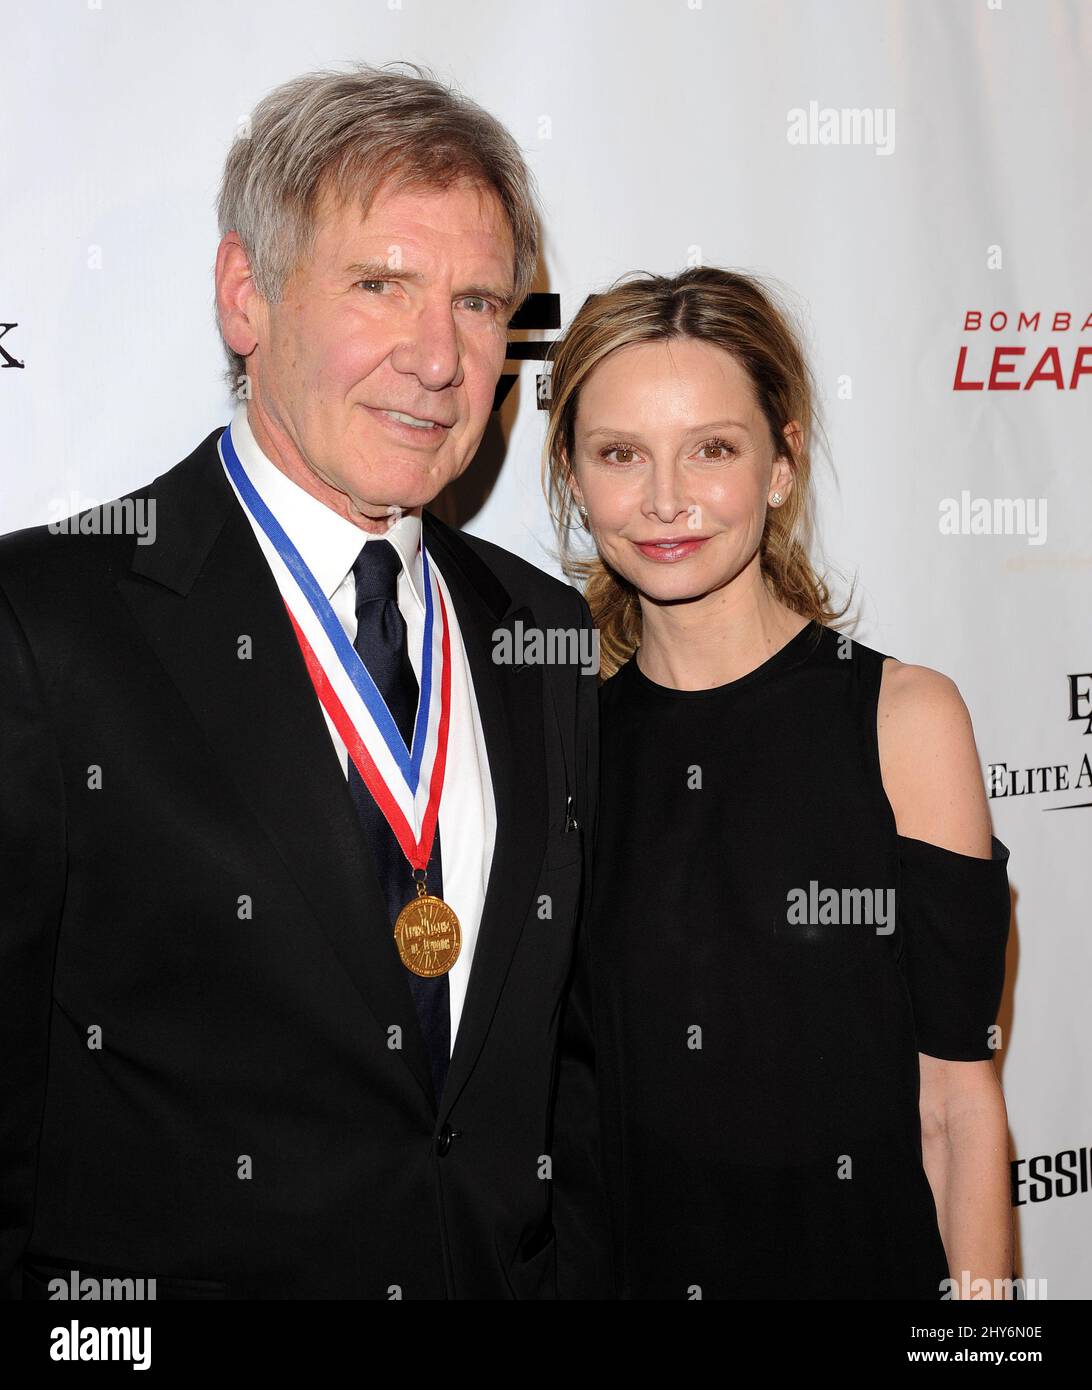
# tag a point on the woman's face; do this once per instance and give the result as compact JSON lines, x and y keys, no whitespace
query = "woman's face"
{"x":674,"y":461}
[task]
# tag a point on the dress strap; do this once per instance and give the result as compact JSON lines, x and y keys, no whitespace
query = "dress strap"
{"x":865,"y":668}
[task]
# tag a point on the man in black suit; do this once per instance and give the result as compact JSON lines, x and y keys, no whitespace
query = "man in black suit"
{"x":223,"y":1073}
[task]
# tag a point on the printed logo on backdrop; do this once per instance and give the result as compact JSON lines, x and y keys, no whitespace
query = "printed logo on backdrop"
{"x":1047,"y":1176}
{"x":539,"y":313}
{"x":6,"y":357}
{"x":1068,"y":781}
{"x":1023,"y":349}
{"x":1014,"y":349}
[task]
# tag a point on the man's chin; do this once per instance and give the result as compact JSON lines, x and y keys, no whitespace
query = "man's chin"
{"x":414,"y":486}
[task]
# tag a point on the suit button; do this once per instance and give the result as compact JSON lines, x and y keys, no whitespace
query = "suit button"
{"x":443,"y":1140}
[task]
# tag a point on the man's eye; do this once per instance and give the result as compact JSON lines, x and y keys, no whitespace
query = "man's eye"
{"x":368,"y":284}
{"x":481,"y":305}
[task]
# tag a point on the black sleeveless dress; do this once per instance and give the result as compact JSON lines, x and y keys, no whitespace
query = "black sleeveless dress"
{"x":769,"y":956}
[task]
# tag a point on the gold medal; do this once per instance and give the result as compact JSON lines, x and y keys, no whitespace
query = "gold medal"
{"x":427,"y":935}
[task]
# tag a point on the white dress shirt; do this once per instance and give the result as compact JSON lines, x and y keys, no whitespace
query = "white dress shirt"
{"x":330,"y":544}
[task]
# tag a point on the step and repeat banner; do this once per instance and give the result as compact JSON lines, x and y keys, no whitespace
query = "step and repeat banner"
{"x":913,"y":177}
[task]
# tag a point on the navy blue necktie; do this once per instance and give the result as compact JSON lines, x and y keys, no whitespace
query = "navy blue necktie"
{"x":381,"y":645}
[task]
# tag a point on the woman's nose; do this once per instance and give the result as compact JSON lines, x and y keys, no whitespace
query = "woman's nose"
{"x":665,"y":490}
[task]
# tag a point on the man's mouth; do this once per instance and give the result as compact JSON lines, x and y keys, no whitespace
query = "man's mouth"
{"x":415,"y":421}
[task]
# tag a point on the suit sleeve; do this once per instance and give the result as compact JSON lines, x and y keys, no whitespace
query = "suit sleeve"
{"x":32,"y":876}
{"x":584,"y":1268}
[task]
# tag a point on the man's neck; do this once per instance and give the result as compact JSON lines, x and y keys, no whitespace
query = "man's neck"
{"x":375,"y":519}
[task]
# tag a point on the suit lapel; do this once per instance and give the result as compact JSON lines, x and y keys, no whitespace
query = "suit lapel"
{"x":203,"y":588}
{"x":509,"y":699}
{"x":197,"y":593}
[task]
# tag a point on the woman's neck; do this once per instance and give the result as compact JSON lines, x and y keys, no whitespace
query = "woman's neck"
{"x":717,"y":638}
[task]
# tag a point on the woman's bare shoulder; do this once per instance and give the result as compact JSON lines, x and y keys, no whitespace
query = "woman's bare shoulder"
{"x":929,"y":760}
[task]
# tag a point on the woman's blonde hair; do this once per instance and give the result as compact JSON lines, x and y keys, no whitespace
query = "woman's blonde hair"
{"x":732,"y":311}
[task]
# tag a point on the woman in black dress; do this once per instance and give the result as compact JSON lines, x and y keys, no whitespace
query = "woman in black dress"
{"x":799,"y":913}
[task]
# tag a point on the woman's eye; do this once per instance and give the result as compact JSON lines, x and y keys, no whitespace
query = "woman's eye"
{"x":723,"y":450}
{"x":618,"y":449}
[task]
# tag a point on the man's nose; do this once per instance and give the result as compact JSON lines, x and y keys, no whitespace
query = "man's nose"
{"x":432,"y":353}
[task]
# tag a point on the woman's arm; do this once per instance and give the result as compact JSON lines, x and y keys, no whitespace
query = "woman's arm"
{"x":930,"y":769}
{"x":965,"y":1152}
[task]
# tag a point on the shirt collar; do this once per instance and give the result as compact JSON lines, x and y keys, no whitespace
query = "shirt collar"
{"x":328,"y":543}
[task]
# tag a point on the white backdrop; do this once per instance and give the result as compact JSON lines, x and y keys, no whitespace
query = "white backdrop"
{"x":662,"y":132}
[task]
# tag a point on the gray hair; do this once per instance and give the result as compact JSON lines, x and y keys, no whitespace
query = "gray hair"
{"x":349,"y":134}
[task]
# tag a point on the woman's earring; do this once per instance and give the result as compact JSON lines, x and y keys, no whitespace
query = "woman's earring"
{"x":583,"y":512}
{"x":776,"y":499}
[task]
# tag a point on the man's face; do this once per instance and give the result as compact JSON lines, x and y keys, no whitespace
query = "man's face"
{"x":404,"y":310}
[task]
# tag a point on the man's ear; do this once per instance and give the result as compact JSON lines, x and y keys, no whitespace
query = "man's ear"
{"x":239,"y":306}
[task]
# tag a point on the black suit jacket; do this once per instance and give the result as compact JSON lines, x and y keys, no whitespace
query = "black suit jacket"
{"x":201,"y":999}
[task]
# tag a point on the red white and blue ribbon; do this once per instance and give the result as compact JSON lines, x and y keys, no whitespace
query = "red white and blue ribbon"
{"x":406,"y":783}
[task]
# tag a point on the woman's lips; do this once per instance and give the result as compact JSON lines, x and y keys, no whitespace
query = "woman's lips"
{"x":671,"y":549}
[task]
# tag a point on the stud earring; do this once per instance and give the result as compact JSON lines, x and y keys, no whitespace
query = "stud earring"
{"x":776,"y":499}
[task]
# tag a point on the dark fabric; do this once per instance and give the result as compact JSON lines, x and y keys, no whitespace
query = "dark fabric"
{"x":184,"y":880}
{"x":760,"y":1075}
{"x":381,"y":644}
{"x":955,"y":912}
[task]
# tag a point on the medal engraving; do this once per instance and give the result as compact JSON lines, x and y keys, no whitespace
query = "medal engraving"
{"x":428,"y":936}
